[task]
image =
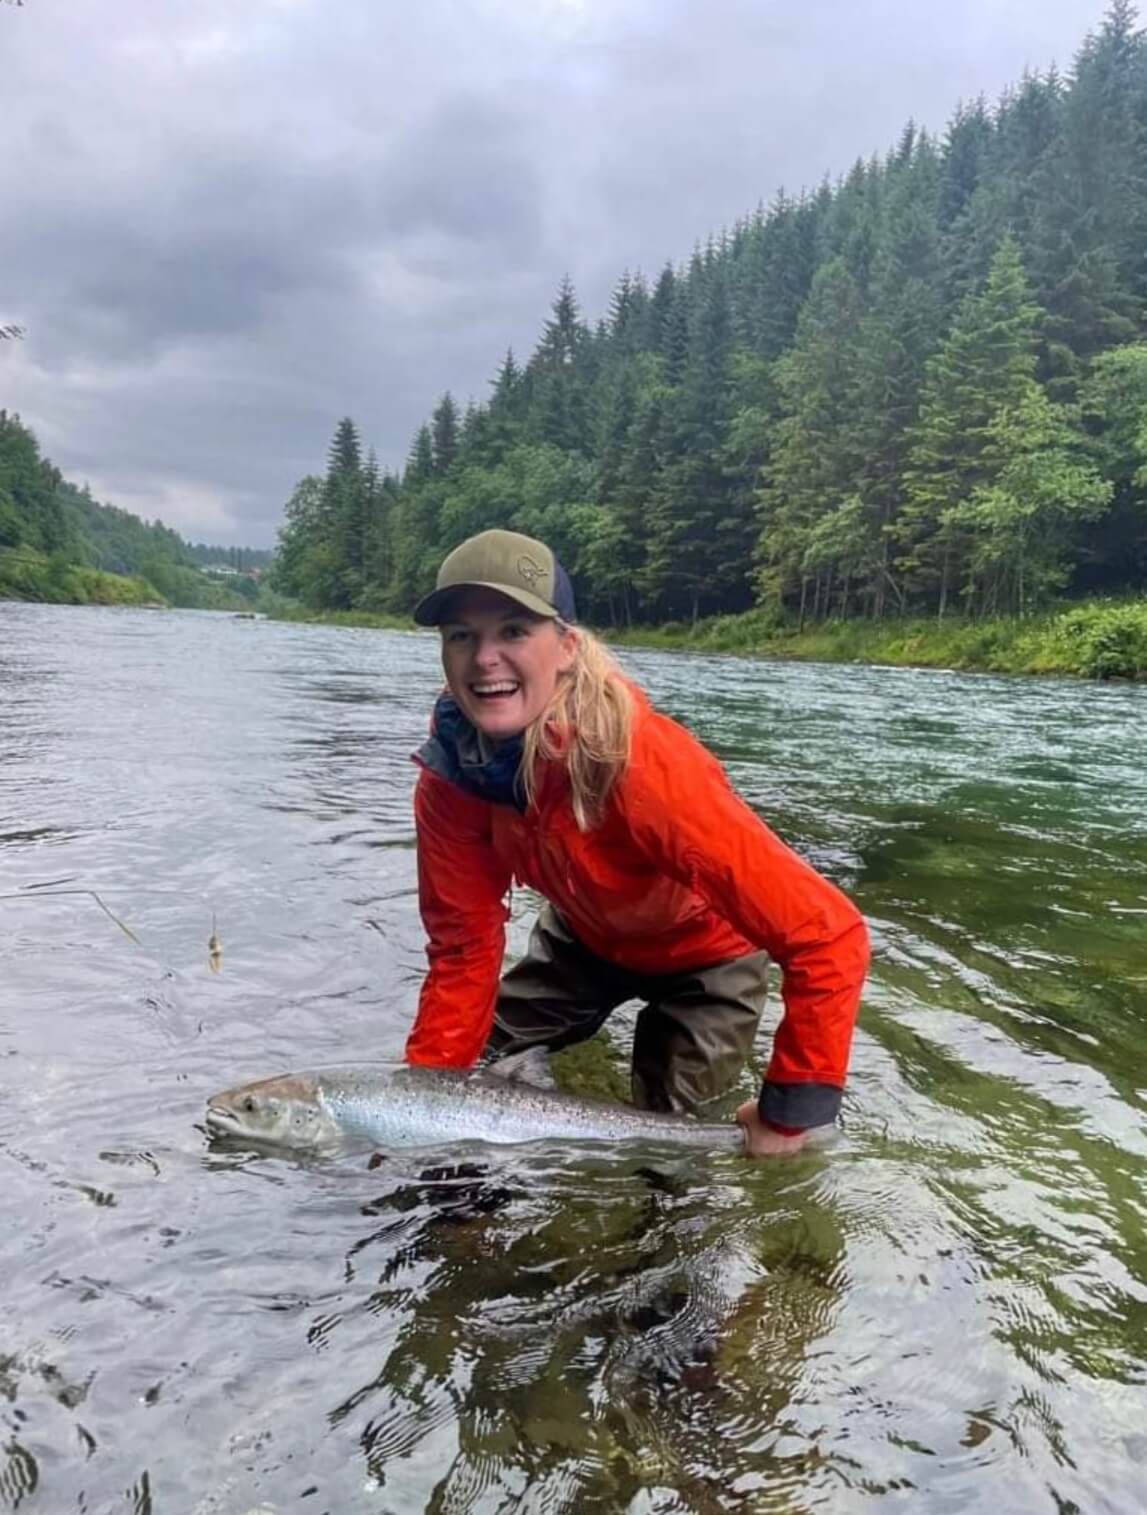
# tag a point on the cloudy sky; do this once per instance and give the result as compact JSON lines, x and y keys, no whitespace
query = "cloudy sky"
{"x":224,"y":225}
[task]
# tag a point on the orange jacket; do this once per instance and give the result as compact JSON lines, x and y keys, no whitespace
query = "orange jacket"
{"x":679,"y":874}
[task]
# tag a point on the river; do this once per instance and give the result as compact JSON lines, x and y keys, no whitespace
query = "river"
{"x":946,"y":1312}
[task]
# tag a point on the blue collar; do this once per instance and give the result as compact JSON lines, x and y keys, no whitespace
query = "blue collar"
{"x":455,"y":752}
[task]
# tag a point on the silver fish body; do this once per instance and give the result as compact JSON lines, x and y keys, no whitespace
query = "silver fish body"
{"x":399,"y":1105}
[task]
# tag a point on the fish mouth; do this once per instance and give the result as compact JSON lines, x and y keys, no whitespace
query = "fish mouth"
{"x":220,"y":1119}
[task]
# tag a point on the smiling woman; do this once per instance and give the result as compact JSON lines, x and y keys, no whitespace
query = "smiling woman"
{"x":548,"y":767}
{"x":502,"y":664}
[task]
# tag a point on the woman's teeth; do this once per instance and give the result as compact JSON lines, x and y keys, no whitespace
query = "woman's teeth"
{"x":505,"y":686}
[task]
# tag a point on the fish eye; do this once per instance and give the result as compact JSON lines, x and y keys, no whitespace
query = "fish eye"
{"x":249,"y":1104}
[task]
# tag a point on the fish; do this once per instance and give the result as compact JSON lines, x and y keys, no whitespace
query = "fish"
{"x":401,"y":1105}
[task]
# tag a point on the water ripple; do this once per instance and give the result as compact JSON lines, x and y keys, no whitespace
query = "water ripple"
{"x":946,"y":1312}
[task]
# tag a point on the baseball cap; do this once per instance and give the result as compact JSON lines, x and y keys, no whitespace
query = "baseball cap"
{"x":520,"y":567}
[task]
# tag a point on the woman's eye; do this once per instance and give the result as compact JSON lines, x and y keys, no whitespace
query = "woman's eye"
{"x":515,"y":633}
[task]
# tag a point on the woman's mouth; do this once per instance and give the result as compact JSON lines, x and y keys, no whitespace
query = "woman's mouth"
{"x":495,"y":689}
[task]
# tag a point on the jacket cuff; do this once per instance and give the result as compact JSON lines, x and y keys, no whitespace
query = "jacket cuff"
{"x":791,"y":1108}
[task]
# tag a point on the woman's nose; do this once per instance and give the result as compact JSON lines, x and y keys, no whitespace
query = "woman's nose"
{"x":485,"y":652}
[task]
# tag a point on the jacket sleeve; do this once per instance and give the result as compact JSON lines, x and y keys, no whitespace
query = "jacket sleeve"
{"x":685,"y":817}
{"x":461,"y":893}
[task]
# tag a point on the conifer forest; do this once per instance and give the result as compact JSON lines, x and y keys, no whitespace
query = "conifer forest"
{"x":921,"y":389}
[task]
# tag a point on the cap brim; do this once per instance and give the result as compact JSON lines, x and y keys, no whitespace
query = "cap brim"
{"x":430,"y":610}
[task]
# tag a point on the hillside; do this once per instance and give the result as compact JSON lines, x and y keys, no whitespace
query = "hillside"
{"x":58,"y":543}
{"x":921,"y":390}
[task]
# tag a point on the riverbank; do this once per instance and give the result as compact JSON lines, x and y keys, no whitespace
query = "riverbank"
{"x":28,"y":575}
{"x":52,"y":580}
{"x":1098,"y":639}
{"x":1092,"y":639}
{"x":276,"y":608}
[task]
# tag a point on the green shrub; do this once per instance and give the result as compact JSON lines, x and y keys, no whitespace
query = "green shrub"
{"x":1105,"y":641}
{"x":1098,"y":639}
{"x":28,"y":575}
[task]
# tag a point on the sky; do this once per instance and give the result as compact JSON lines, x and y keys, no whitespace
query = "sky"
{"x":224,"y":226}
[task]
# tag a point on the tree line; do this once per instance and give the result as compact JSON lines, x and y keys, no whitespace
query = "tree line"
{"x":45,"y":516}
{"x":920,"y":388}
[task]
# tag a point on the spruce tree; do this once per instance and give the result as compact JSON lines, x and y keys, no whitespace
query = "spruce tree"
{"x":1114,"y":402}
{"x":1089,"y":230}
{"x":816,"y":454}
{"x":420,"y":462}
{"x":899,"y":332}
{"x":986,"y":364}
{"x":343,"y":518}
{"x":1022,"y":518}
{"x":444,"y":434}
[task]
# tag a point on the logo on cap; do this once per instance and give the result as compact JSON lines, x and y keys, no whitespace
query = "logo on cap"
{"x":531,"y":570}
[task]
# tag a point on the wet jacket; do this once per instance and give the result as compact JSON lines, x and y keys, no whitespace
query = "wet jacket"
{"x":679,"y":874}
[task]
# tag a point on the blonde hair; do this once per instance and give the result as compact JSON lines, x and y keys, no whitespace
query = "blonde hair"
{"x":587,"y":725}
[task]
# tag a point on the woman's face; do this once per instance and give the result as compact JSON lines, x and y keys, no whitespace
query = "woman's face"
{"x":502,"y":663}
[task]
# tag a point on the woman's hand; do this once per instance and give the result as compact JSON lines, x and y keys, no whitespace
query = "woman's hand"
{"x":762,"y":1140}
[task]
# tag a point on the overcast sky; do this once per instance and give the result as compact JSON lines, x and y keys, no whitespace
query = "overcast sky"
{"x":225,"y":225}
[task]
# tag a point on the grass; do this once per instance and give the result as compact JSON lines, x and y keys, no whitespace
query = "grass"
{"x":277,"y":608}
{"x":1093,"y":639}
{"x":28,"y":575}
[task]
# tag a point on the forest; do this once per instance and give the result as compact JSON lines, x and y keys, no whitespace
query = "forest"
{"x":58,"y":543}
{"x":920,"y":390}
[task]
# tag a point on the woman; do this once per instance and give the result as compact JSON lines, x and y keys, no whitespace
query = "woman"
{"x":547,"y":767}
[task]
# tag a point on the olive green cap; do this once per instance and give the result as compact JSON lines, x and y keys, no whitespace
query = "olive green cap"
{"x":520,"y":567}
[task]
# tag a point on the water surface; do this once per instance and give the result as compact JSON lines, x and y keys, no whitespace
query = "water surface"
{"x":946,"y":1313}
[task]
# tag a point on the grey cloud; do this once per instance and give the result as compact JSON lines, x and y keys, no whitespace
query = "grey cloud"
{"x":466,"y":173}
{"x":224,"y":227}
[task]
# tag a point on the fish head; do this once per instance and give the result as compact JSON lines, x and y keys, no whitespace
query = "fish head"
{"x":286,"y":1111}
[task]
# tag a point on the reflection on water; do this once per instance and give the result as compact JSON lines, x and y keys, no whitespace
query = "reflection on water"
{"x":946,"y":1312}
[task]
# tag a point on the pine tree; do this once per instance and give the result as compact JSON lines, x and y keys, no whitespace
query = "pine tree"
{"x":816,"y":455}
{"x":1090,"y":224}
{"x":985,"y":366}
{"x":661,"y":310}
{"x":564,"y":333}
{"x":342,"y":522}
{"x":420,"y":463}
{"x":899,"y":332}
{"x":1114,"y":403}
{"x":378,"y":563}
{"x":563,"y":420}
{"x":1021,"y":525}
{"x":444,"y":434}
{"x":625,"y":314}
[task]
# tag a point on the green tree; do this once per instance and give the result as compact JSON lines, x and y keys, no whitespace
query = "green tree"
{"x":1114,"y":403}
{"x":985,"y":365}
{"x":1021,"y":521}
{"x":342,"y":526}
{"x":1089,"y":226}
{"x":817,"y":453}
{"x":444,"y":434}
{"x":295,"y":570}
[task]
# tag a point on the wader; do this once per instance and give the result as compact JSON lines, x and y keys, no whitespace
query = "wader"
{"x":693,"y":1036}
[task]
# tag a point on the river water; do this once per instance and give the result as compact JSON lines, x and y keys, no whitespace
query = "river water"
{"x":947,"y":1312}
